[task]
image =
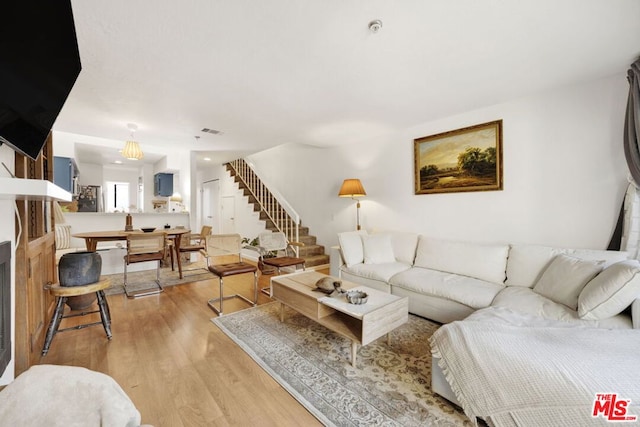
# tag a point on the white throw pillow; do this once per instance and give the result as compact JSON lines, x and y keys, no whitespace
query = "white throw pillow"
{"x":611,"y":291}
{"x":565,"y":277}
{"x":351,"y":247}
{"x":63,"y":236}
{"x":377,"y":249}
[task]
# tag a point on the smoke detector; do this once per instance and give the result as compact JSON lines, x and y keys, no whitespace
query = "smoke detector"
{"x":375,"y":25}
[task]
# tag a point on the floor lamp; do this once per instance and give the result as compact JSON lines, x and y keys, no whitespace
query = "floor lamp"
{"x":353,"y":188}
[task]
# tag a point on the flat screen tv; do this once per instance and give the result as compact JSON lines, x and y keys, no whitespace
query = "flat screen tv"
{"x":39,"y":63}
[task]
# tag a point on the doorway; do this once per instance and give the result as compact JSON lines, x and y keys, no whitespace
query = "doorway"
{"x":228,"y":211}
{"x":210,"y":204}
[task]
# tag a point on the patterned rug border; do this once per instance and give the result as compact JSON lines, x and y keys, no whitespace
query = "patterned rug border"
{"x":390,"y":387}
{"x":290,"y":389}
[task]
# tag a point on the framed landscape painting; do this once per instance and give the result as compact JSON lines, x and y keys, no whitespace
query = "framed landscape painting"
{"x":468,"y":159}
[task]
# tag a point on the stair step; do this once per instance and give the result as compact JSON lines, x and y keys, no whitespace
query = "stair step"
{"x":302,"y":231}
{"x":307,"y":240}
{"x":316,"y":260}
{"x":310,"y":250}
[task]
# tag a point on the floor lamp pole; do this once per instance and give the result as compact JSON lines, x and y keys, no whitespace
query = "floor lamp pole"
{"x":358,"y":215}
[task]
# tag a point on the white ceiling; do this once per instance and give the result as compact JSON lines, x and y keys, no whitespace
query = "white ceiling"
{"x":281,"y":71}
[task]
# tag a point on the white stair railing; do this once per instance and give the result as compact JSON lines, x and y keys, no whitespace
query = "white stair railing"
{"x":281,"y":214}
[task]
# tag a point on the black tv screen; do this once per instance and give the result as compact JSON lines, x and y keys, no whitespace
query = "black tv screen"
{"x":39,"y":63}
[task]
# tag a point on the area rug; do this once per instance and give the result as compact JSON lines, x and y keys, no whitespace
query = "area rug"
{"x":139,"y":280}
{"x":389,"y":387}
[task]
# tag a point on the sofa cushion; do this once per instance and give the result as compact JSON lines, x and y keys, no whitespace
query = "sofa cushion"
{"x":611,"y":291}
{"x":564,"y":279}
{"x":524,"y":300}
{"x":470,"y":291}
{"x":404,"y":246}
{"x":527,"y":262}
{"x":63,"y":236}
{"x":382,"y":272}
{"x":377,"y":249}
{"x":485,"y":262}
{"x":351,"y":247}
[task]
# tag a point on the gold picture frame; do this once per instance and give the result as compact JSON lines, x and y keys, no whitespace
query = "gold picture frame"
{"x":467,"y":159}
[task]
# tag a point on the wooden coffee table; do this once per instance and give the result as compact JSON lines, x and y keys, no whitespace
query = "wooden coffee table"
{"x":362,"y":324}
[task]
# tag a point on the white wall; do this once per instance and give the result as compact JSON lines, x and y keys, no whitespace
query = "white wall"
{"x":247,"y":222}
{"x":90,"y":174}
{"x":564,"y":175}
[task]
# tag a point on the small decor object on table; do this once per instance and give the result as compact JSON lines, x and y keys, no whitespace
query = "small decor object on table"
{"x":329,"y":286}
{"x":129,"y":223}
{"x":357,"y":297}
{"x":148,"y":229}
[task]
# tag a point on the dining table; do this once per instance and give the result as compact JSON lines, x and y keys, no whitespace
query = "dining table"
{"x":91,"y":239}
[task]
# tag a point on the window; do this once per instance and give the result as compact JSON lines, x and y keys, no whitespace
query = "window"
{"x":117,"y":197}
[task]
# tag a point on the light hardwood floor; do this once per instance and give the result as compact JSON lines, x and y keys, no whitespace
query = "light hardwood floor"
{"x":176,"y":365}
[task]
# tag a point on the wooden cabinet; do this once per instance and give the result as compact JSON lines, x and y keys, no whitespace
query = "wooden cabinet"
{"x":35,"y":262}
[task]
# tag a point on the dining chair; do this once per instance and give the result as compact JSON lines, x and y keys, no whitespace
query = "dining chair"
{"x":193,"y":242}
{"x":277,"y":252}
{"x":228,"y":245}
{"x":142,"y":247}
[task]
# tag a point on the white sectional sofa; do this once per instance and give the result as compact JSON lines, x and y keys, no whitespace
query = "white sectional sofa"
{"x":448,"y":280}
{"x":525,"y":284}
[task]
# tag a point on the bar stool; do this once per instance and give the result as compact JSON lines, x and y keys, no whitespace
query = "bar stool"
{"x":62,"y":293}
{"x":229,"y":244}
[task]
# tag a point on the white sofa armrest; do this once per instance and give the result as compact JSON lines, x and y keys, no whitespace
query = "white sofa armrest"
{"x":335,"y":261}
{"x":635,"y":313}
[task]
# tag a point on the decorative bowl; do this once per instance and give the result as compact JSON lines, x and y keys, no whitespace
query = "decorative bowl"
{"x":148,"y":229}
{"x":357,"y":297}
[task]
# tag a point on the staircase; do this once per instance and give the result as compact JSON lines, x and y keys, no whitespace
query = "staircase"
{"x":274,"y":215}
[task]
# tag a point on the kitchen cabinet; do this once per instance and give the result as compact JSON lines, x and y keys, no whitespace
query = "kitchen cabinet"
{"x":163,"y":184}
{"x":65,"y":173}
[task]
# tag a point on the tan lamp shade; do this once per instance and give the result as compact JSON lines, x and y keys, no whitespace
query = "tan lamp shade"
{"x":352,"y":188}
{"x":132,"y":151}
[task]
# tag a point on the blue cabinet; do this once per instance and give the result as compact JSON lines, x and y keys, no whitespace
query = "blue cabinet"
{"x":65,"y":173}
{"x":163,"y":184}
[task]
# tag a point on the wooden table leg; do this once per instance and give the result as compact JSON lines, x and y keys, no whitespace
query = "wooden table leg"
{"x":389,"y":339}
{"x":176,"y":248}
{"x":282,"y":312}
{"x":91,"y":244}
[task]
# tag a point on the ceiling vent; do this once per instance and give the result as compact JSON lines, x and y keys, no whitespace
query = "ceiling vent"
{"x":212,"y":131}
